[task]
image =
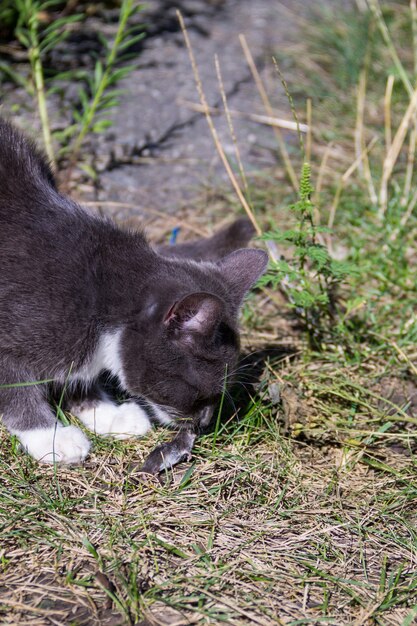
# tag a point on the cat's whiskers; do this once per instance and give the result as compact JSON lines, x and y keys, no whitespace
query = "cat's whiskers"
{"x":229,"y":397}
{"x":251,"y":354}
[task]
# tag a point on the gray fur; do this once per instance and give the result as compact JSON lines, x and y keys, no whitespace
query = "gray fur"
{"x":68,"y":276}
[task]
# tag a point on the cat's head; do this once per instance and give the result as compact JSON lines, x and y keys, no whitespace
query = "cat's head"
{"x":178,"y":350}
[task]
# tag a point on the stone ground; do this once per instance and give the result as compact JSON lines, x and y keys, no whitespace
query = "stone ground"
{"x":159,"y":151}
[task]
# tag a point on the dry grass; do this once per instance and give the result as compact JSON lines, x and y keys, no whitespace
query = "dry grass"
{"x":262,"y":530}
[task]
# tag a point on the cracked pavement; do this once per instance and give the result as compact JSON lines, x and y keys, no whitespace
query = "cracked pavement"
{"x":159,"y":151}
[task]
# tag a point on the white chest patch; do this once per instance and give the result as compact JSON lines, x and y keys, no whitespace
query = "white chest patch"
{"x":105,"y":357}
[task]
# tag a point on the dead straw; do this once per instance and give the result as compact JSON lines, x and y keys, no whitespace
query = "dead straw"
{"x":230,"y":123}
{"x":410,"y":164}
{"x":212,"y":128}
{"x":394,"y":151}
{"x":364,"y":167}
{"x":254,"y":117}
{"x":344,"y":179}
{"x":413,"y":133}
{"x":387,"y":111}
{"x":322,"y":168}
{"x":375,"y":7}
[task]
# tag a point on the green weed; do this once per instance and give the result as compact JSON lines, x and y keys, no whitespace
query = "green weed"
{"x":39,"y":29}
{"x":311,"y":277}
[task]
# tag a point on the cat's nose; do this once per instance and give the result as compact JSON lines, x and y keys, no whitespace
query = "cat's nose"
{"x":204,"y":417}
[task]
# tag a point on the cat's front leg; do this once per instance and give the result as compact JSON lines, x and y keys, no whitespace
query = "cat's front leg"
{"x":27,"y":414}
{"x":104,"y":417}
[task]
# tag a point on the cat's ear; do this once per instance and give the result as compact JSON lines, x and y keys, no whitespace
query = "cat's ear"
{"x":197,"y":313}
{"x":242,"y":268}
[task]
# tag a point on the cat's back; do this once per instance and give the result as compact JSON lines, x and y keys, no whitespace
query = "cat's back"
{"x":31,"y":207}
{"x":48,"y":246}
{"x":44,"y":235}
{"x":23,"y":167}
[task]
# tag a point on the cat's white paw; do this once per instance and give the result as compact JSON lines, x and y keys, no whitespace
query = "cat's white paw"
{"x":121,"y":422}
{"x":59,"y":444}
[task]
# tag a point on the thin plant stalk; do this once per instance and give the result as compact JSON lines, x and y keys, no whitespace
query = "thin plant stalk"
{"x":103,"y":83}
{"x":309,"y":136}
{"x":364,"y":167}
{"x":292,"y":105}
{"x":361,"y":6}
{"x":28,"y":35}
{"x":344,"y":179}
{"x":399,"y":351}
{"x":413,"y":11}
{"x":394,"y":151}
{"x":230,"y":123}
{"x":404,"y":219}
{"x":413,"y":132}
{"x":367,"y":174}
{"x":360,"y":113}
{"x":213,"y":130}
{"x":387,"y":111}
{"x":254,"y":117}
{"x":410,"y":209}
{"x":410,"y":163}
{"x":37,"y":70}
{"x":264,"y":97}
{"x":376,"y":10}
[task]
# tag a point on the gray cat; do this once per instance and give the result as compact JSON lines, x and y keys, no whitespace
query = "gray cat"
{"x":78,"y":296}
